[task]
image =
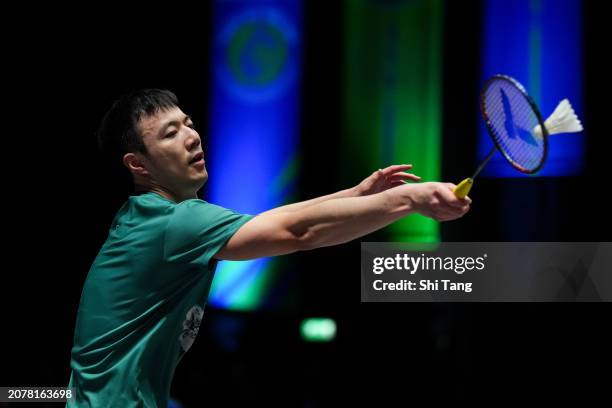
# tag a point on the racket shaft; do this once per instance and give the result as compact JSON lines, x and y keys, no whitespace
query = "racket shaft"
{"x":484,"y":162}
{"x":463,"y":189}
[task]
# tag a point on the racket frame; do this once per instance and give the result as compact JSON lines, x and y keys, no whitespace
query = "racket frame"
{"x":491,"y":130}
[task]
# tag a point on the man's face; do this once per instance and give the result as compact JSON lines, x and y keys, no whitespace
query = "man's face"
{"x":175,"y":159}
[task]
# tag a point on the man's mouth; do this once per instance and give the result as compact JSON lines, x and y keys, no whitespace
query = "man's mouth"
{"x":199,"y":157}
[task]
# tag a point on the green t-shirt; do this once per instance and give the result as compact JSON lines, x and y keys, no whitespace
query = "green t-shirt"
{"x":143,"y":299}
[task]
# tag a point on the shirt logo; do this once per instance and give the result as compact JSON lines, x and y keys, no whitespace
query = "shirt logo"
{"x":191,"y":326}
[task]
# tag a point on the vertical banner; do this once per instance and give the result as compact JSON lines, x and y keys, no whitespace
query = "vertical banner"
{"x":253,"y":156}
{"x":538,"y":42}
{"x":392,"y":95}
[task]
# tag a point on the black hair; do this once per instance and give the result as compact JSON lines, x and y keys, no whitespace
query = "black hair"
{"x":118,"y":133}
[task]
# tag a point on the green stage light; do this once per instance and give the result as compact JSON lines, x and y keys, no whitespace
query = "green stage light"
{"x":318,"y":329}
{"x":393,"y":96}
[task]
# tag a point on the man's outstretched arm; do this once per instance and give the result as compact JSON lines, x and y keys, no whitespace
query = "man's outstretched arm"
{"x":378,"y":181}
{"x":340,"y":220}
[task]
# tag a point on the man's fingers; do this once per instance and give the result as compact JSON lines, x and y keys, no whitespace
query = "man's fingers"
{"x":403,"y":176}
{"x":452,"y":200}
{"x":395,"y":168}
{"x":462,"y":201}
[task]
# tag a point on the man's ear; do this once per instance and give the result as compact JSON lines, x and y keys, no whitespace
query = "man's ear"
{"x":134,"y":163}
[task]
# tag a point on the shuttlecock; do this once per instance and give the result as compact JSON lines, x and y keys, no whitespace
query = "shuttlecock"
{"x":562,"y":120}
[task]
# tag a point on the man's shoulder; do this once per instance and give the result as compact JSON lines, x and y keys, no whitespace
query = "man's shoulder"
{"x":197,"y":211}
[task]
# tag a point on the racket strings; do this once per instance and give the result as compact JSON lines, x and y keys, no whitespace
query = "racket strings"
{"x":513,"y":120}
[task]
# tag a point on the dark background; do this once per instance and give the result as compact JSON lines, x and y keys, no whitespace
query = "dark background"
{"x":63,"y":68}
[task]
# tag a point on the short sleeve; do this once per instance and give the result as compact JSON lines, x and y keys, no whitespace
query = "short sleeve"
{"x":197,"y":230}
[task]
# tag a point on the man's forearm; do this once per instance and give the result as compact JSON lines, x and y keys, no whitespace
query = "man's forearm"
{"x":338,"y":220}
{"x":349,"y":192}
{"x":341,"y":220}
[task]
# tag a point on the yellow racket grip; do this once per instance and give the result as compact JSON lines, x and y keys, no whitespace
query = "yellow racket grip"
{"x":463,"y":189}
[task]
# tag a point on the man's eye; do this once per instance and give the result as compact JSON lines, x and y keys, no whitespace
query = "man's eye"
{"x":170,"y":134}
{"x":191,"y":125}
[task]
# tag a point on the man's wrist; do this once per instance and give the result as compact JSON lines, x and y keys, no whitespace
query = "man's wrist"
{"x":352,"y":192}
{"x":400,"y":200}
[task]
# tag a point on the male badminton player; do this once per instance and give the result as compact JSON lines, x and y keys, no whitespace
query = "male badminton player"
{"x":144,"y":296}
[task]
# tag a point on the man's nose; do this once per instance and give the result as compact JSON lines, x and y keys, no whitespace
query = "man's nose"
{"x":193,"y":141}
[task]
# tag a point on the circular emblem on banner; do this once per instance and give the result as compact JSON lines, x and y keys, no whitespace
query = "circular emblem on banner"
{"x":255,"y":54}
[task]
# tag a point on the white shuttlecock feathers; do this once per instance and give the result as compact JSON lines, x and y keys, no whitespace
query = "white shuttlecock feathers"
{"x":562,"y":120}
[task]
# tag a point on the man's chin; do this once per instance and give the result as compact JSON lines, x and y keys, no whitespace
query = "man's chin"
{"x":201,"y":181}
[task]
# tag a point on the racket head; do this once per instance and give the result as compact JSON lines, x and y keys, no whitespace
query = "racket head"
{"x":511,"y":117}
